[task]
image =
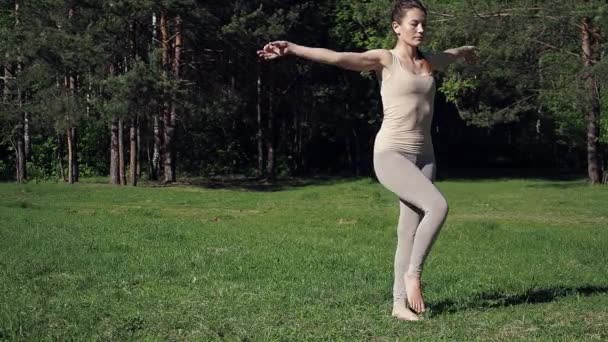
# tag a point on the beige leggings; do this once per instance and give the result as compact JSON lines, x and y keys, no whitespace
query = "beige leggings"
{"x":423,"y":209}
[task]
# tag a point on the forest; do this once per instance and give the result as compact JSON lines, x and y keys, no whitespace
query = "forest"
{"x":159,"y":90}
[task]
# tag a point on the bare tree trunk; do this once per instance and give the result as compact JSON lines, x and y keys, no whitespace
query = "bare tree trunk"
{"x":592,"y":115}
{"x":177,"y":60}
{"x":121,"y":153}
{"x":70,"y":142}
{"x":296,"y":141}
{"x":18,"y":138}
{"x":349,"y":152}
{"x":260,"y":134}
{"x":158,"y":143}
{"x":26,"y":135}
{"x":20,"y":132}
{"x":168,"y":109}
{"x":60,"y":158}
{"x":114,"y":170}
{"x":301,"y":161}
{"x":20,"y":152}
{"x":69,"y":133}
{"x":20,"y":127}
{"x":169,"y":163}
{"x":270,"y":166}
{"x":114,"y":155}
{"x":133,"y":152}
{"x":70,"y":86}
{"x":357,"y":154}
{"x":232,"y":70}
{"x":154,"y":156}
{"x":134,"y":129}
{"x":138,"y":138}
{"x":75,"y":165}
{"x":74,"y":169}
{"x":149,"y":153}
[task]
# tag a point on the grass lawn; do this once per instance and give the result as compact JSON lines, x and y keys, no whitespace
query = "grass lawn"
{"x":516,"y":260}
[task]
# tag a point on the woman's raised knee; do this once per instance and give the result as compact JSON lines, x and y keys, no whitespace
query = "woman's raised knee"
{"x":438,"y":206}
{"x":442,"y":206}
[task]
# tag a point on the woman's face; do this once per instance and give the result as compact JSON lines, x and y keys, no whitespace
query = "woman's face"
{"x":411,"y":28}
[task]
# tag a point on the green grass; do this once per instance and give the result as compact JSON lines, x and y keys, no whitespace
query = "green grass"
{"x":516,"y":260}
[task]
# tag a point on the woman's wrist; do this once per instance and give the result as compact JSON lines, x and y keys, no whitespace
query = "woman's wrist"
{"x":460,"y":53}
{"x":292,"y":49}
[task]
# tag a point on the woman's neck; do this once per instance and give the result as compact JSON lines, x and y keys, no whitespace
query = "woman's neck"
{"x":406,"y":51}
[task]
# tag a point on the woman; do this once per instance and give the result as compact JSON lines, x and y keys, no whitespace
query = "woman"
{"x":404,"y":161}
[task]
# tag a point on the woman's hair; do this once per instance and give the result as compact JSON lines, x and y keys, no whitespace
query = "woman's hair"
{"x":400,"y":8}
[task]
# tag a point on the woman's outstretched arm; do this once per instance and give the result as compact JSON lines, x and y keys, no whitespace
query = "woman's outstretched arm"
{"x":364,"y":61}
{"x":441,"y":60}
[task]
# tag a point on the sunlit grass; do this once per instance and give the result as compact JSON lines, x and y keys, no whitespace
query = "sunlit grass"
{"x":517,"y":259}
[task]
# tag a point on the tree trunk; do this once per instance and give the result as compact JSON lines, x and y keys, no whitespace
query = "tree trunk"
{"x":168,"y":110}
{"x":133,"y":152}
{"x":70,"y":131}
{"x":75,"y":165}
{"x":169,"y":166}
{"x":19,"y":135}
{"x":349,"y":152}
{"x":154,"y":153}
{"x":114,"y":170}
{"x":149,"y":157}
{"x":20,"y":152}
{"x":70,"y":143}
{"x":158,"y":143}
{"x":592,"y":114}
{"x":74,"y":169}
{"x":134,"y":127}
{"x":114,"y":155}
{"x":121,"y":153}
{"x":177,"y":61}
{"x":270,"y":166}
{"x":357,"y":154}
{"x":23,"y":132}
{"x":26,"y":135}
{"x":260,"y":134}
{"x":60,"y":158}
{"x":296,"y":142}
{"x":179,"y":44}
{"x":138,"y":138}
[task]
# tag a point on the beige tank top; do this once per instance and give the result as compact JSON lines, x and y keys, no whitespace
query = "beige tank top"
{"x":408,"y":101}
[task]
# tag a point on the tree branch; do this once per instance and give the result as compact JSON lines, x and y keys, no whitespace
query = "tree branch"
{"x":555,"y":47}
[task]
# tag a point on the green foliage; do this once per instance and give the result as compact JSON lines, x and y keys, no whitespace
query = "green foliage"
{"x":454,"y":87}
{"x":6,"y":168}
{"x":139,"y":90}
{"x":528,"y":78}
{"x":563,"y":97}
{"x":363,"y":25}
{"x":43,"y":165}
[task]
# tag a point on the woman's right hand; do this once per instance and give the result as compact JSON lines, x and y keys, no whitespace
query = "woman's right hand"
{"x":274,"y":50}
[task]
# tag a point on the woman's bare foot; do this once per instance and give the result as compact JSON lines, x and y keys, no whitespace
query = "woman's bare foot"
{"x":413,"y":289}
{"x":403,"y":313}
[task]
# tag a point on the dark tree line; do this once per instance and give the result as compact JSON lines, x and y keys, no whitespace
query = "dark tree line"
{"x":161,"y":89}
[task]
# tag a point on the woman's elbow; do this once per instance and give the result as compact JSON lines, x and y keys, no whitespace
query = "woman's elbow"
{"x":338,"y":59}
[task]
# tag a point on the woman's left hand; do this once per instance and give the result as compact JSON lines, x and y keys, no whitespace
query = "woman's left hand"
{"x":469,"y":54}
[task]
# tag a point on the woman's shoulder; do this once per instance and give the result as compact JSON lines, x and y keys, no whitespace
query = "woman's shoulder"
{"x":385,"y":56}
{"x":381,"y":53}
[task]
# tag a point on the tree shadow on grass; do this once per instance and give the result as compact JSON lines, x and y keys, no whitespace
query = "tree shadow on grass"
{"x":490,"y":300}
{"x":258,"y":184}
{"x":501,"y":174}
{"x":570,"y":185}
